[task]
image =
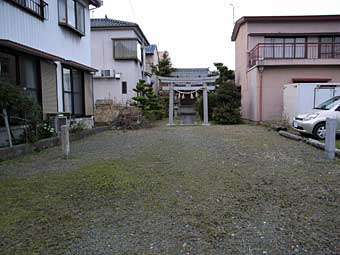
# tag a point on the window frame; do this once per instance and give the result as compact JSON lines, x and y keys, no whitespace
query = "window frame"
{"x":18,"y":78}
{"x":334,"y":53}
{"x":114,"y":40}
{"x":72,"y":93}
{"x":66,"y":23}
{"x":43,"y":12}
{"x":124,"y":88}
{"x":284,"y":44}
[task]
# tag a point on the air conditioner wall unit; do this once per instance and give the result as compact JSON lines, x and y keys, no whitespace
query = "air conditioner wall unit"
{"x":108,"y":73}
{"x":97,"y":74}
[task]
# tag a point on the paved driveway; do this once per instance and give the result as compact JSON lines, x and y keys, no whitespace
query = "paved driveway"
{"x":183,"y":190}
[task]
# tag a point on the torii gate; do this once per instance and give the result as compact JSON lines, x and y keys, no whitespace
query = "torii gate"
{"x":188,"y":84}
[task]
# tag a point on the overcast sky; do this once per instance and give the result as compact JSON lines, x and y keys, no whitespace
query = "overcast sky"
{"x":197,"y":32}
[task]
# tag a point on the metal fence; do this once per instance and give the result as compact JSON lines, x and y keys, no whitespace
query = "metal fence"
{"x":264,"y":51}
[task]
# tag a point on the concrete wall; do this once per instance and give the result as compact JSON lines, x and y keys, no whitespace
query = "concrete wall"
{"x":24,"y":28}
{"x":274,"y":78}
{"x":241,"y":68}
{"x":293,"y":27}
{"x":102,"y":58}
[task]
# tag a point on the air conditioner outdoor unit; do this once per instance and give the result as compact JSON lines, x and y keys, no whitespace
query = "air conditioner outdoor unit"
{"x":108,"y":73}
{"x":97,"y":74}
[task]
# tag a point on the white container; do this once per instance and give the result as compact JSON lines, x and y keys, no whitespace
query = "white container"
{"x":304,"y":97}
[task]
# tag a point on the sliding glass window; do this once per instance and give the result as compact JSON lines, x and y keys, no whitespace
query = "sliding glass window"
{"x":72,"y":14}
{"x":73,"y":85}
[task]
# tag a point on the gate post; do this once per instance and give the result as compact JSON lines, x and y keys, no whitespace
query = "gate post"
{"x":330,"y":138}
{"x":171,"y":105}
{"x":205,"y":106}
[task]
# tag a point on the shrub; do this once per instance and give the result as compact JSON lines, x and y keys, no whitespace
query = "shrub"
{"x":130,"y":118}
{"x":45,"y":131}
{"x":22,"y":108}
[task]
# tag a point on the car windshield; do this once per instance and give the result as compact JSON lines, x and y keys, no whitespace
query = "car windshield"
{"x":329,"y":104}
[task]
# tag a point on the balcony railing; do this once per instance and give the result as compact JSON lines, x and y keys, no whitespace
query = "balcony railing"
{"x":286,"y":51}
{"x":38,"y":8}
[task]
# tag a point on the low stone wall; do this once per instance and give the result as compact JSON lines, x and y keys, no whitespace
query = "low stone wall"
{"x":23,"y":149}
{"x":106,"y":111}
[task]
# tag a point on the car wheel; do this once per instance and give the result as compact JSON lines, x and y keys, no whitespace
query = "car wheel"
{"x":319,"y":131}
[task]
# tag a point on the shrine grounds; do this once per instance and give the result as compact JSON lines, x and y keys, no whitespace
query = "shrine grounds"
{"x":183,"y":190}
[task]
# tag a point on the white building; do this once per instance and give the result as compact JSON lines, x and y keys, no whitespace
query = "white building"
{"x":151,"y":60}
{"x":118,"y":52}
{"x":45,"y":48}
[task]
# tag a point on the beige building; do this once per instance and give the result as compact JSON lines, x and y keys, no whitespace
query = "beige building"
{"x":274,"y":51}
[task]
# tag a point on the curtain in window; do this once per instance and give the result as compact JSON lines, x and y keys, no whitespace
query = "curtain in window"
{"x":68,"y":107}
{"x":326,"y":47}
{"x":125,"y":49}
{"x":268,"y":48}
{"x":73,"y":91}
{"x":300,"y":48}
{"x":278,"y":47}
{"x":289,"y":47}
{"x":337,"y":47}
{"x":78,"y":92}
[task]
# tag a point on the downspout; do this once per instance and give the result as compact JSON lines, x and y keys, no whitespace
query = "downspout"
{"x":260,"y":103}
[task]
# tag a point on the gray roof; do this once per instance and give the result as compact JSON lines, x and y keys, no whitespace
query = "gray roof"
{"x":111,"y":23}
{"x":150,"y":49}
{"x":191,"y":72}
{"x":106,"y":23}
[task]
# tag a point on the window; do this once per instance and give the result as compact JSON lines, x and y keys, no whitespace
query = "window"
{"x":290,"y":47}
{"x":37,"y":8}
{"x":124,"y":87}
{"x":73,"y":85}
{"x":8,"y":72}
{"x":330,"y":47}
{"x":129,"y":49}
{"x":28,"y":68}
{"x":22,"y":71}
{"x":72,"y":14}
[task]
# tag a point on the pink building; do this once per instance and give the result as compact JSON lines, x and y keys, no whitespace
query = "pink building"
{"x":273,"y":51}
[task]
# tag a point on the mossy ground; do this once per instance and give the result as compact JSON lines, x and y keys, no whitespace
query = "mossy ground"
{"x":185,"y":190}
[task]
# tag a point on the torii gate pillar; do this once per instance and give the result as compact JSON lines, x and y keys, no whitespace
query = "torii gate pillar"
{"x":205,"y":106}
{"x":171,"y":105}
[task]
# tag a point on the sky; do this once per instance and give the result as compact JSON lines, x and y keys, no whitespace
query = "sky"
{"x":197,"y":33}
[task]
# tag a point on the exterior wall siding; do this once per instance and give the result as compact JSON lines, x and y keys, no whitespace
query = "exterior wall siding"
{"x":24,"y":28}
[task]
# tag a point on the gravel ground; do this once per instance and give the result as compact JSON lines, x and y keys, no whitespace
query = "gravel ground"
{"x":182,"y":190}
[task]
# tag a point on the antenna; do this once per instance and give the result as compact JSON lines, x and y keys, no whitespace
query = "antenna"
{"x":233,"y":6}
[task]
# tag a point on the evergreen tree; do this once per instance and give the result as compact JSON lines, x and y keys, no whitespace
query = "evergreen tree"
{"x":228,"y":97}
{"x":147,"y":100}
{"x":225,"y":102}
{"x":164,"y":67}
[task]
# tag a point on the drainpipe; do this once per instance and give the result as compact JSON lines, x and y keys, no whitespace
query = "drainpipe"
{"x":260,"y":103}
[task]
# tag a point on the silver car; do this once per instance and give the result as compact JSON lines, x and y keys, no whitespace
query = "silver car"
{"x":314,"y":123}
